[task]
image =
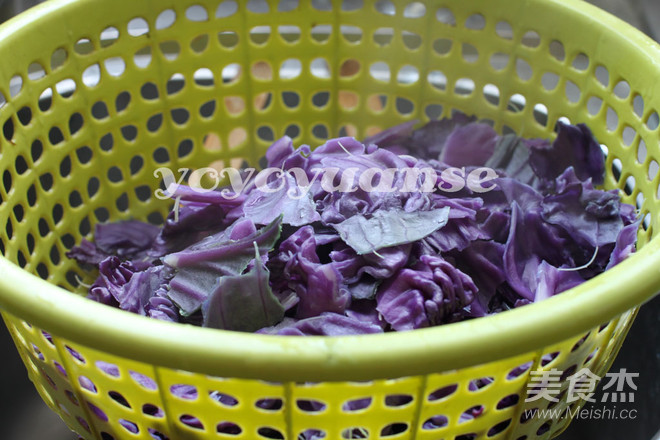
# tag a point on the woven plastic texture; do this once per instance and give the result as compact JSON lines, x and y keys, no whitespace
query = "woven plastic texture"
{"x":98,"y":94}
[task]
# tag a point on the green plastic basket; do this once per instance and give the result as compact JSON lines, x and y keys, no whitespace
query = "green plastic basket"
{"x":98,"y":94}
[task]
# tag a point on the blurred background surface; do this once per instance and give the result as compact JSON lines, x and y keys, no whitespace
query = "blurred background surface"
{"x":23,"y":416}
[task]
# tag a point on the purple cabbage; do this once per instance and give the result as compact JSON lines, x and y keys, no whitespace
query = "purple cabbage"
{"x":304,"y":259}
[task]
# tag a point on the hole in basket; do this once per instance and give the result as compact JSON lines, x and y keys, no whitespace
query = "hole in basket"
{"x":544,"y":428}
{"x":129,"y":132}
{"x":191,"y":421}
{"x":481,"y":383}
{"x":259,"y":35}
{"x":149,"y":91}
{"x":83,"y":423}
{"x":228,"y":428}
{"x":547,"y":358}
{"x":508,"y":401}
{"x":228,"y":39}
{"x":309,"y":405}
{"x":612,"y":119}
{"x":549,"y":81}
{"x":117,"y":397}
{"x":45,"y":100}
{"x":142,"y":58}
{"x":180,"y":115}
{"x":203,"y":77}
{"x":499,"y":428}
{"x":395,"y":400}
{"x":320,"y":131}
{"x":641,"y":157}
{"x":652,"y":121}
{"x":224,"y":399}
{"x":602,"y":75}
{"x":349,"y":68}
{"x":66,"y":87}
{"x":355,"y":433}
{"x":290,"y":68}
{"x":464,"y":87}
{"x":55,"y":136}
{"x":594,"y":104}
{"x":504,"y":30}
{"x":471,"y":413}
{"x":321,"y":33}
{"x":170,"y":49}
{"x":287,"y":5}
{"x":76,"y":122}
{"x":638,"y":105}
{"x":129,"y":426}
{"x":320,"y":99}
{"x":411,"y":40}
{"x":557,"y":50}
{"x":442,"y":46}
{"x":357,"y":404}
{"x":161,"y":155}
{"x":519,"y":371}
{"x":383,"y":36}
{"x":385,"y":7}
{"x":197,"y":13}
{"x":265,"y":133}
{"x":380,"y":71}
{"x":573,"y":92}
{"x":499,"y":61}
{"x":414,"y":10}
{"x":435,"y":422}
{"x":143,"y":380}
{"x":97,"y":412}
{"x":107,"y":142}
{"x":622,"y":90}
{"x":110,"y":369}
{"x":469,"y":53}
{"x":531,"y":39}
{"x":628,"y":136}
{"x":155,"y":122}
{"x":226,"y":8}
{"x":92,"y":75}
{"x":83,"y":46}
{"x":58,"y":58}
{"x":100,"y":110}
{"x":444,"y":15}
{"x":152,"y":410}
{"x":289,"y":33}
{"x":581,"y":62}
{"x":165,"y":19}
{"x":394,"y":429}
{"x":320,"y":68}
{"x":106,"y":436}
{"x":523,"y":69}
{"x":258,"y":6}
{"x":293,"y":131}
{"x":475,"y":22}
{"x":271,"y":433}
{"x":290,"y":99}
{"x":137,"y":27}
{"x":207,"y":110}
{"x":270,"y":404}
{"x":442,"y":393}
{"x":115,"y":66}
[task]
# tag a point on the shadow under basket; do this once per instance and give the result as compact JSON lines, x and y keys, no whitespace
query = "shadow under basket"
{"x":96,"y":95}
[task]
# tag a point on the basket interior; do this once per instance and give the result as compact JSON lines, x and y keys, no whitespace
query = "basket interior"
{"x":88,"y":116}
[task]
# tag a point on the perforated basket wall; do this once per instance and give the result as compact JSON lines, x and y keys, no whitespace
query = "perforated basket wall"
{"x":98,"y":94}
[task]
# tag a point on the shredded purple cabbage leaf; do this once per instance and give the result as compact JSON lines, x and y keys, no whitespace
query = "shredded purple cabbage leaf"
{"x":318,"y":261}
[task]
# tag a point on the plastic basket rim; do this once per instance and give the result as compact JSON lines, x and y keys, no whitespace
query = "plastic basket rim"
{"x":286,"y":358}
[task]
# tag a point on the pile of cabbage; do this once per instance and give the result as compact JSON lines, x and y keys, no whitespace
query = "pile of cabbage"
{"x":310,"y":260}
